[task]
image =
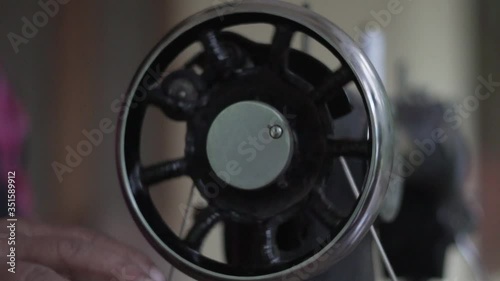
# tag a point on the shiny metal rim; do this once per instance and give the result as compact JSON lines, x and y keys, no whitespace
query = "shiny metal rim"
{"x":373,"y":93}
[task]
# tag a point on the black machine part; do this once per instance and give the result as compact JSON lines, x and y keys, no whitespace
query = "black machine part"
{"x":261,"y":79}
{"x":434,"y":211}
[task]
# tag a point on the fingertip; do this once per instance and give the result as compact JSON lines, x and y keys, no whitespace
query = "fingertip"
{"x":156,"y":274}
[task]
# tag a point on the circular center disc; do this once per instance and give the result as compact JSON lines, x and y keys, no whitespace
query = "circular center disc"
{"x":249,"y":145}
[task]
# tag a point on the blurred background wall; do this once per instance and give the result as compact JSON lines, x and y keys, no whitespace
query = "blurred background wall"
{"x":68,"y":76}
{"x":83,"y":59}
{"x":489,"y":60}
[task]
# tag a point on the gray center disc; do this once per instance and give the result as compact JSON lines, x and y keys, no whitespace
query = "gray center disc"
{"x":249,"y":145}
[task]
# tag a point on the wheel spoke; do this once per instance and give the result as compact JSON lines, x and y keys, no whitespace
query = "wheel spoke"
{"x":156,"y":97}
{"x":163,"y":171}
{"x":280,"y":47}
{"x":215,"y":50}
{"x":325,"y":211}
{"x":349,"y":148}
{"x":203,"y":223}
{"x":333,"y":85}
{"x":279,"y":53}
{"x":267,"y":237}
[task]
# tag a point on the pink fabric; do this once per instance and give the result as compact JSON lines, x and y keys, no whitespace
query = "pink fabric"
{"x":14,"y":126}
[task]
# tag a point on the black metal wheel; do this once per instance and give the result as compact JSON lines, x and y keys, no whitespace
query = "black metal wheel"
{"x":243,"y":94}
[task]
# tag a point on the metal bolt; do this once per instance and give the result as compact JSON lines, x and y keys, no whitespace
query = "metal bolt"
{"x":276,"y":132}
{"x":183,"y":89}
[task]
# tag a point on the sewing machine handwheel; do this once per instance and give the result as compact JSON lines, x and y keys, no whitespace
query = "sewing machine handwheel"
{"x":247,"y":89}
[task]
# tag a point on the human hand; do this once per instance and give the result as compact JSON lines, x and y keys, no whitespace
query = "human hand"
{"x":51,"y":253}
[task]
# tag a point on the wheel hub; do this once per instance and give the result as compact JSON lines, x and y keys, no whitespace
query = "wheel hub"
{"x":258,"y":146}
{"x":249,"y":145}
